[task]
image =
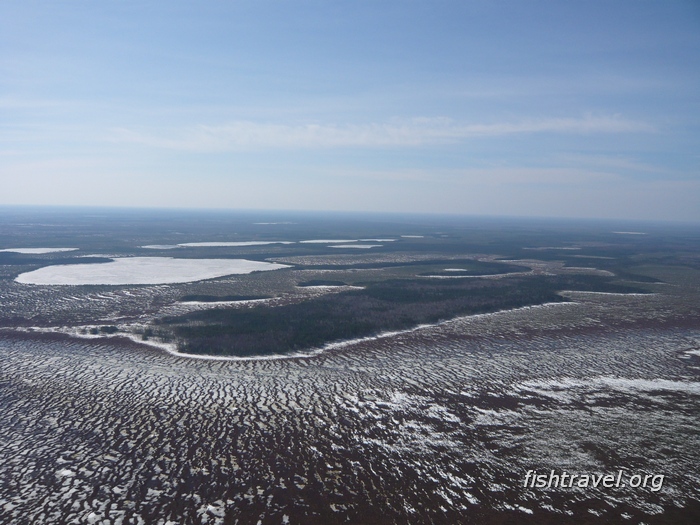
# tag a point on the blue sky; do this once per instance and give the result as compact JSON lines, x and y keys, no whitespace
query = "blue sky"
{"x":524,"y":108}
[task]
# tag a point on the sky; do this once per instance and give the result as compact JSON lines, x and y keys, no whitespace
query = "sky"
{"x":475,"y":107}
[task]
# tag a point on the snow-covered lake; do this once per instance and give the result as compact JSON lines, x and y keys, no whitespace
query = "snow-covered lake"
{"x":356,"y":246}
{"x":327,"y":241}
{"x":143,"y":270}
{"x":38,"y":250}
{"x":212,"y":244}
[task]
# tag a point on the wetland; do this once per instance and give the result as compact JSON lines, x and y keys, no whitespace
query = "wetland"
{"x":413,"y":382}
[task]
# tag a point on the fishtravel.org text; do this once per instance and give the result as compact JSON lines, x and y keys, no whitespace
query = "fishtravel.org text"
{"x":552,"y":479}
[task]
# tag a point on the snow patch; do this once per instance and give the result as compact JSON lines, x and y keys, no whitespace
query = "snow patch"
{"x":556,"y":387}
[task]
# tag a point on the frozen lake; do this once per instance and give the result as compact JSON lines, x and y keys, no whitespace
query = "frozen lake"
{"x":143,"y":270}
{"x":38,"y":251}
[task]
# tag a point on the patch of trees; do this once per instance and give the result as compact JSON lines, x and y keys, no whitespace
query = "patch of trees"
{"x":474,"y":267}
{"x":389,"y":305}
{"x":322,"y":282}
{"x":108,"y":329}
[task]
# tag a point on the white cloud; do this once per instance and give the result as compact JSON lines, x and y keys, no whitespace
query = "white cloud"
{"x":243,"y":135}
{"x":488,"y":176}
{"x":612,"y":162}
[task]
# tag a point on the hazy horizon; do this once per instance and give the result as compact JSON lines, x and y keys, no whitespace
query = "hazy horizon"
{"x":544,"y":109}
{"x":426,"y":217}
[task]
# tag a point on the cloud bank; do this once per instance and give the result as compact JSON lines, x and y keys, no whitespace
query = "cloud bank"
{"x":243,"y":135}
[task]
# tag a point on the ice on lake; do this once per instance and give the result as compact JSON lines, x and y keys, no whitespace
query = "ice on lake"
{"x":211,"y":244}
{"x":143,"y":270}
{"x":235,"y":243}
{"x":38,"y":250}
{"x":365,"y":246}
{"x":327,"y":241}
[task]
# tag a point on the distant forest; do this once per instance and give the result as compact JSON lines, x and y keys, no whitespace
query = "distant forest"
{"x":381,"y":306}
